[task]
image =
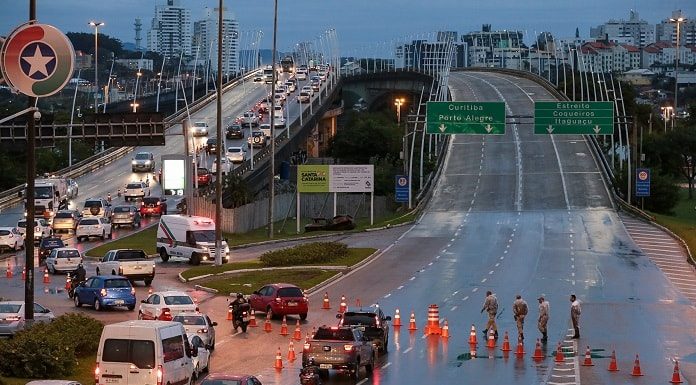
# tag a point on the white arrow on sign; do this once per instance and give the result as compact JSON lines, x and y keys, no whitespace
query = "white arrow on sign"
{"x":550,"y":129}
{"x":597,"y":129}
{"x":442,"y":127}
{"x":489,"y":128}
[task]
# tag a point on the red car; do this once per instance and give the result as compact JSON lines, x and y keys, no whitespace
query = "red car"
{"x":153,"y":206}
{"x":230,"y":379}
{"x":204,"y":177}
{"x":279,"y":299}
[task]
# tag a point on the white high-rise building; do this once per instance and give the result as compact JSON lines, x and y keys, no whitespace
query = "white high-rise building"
{"x":170,"y":31}
{"x":205,"y":41}
{"x":667,"y":30}
{"x":633,"y":31}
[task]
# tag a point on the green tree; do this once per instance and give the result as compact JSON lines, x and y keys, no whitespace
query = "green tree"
{"x":366,"y":137}
{"x":235,"y":192}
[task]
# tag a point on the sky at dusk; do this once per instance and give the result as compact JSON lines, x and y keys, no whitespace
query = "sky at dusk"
{"x":361,"y":25}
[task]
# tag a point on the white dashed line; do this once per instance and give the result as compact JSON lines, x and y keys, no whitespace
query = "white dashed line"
{"x":408,"y":350}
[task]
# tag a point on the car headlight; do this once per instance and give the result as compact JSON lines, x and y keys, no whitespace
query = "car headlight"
{"x":147,"y":162}
{"x":227,"y":249}
{"x":134,"y":163}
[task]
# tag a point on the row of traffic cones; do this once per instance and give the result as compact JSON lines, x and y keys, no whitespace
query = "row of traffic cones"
{"x":343,"y":306}
{"x":10,"y":274}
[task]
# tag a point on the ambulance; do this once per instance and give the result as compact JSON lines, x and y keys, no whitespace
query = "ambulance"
{"x":189,"y":237}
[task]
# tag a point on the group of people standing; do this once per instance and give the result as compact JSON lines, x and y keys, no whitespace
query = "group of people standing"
{"x":520,"y":310}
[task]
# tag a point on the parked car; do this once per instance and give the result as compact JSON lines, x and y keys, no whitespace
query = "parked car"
{"x":63,"y":260}
{"x":162,"y":305}
{"x":96,"y":207}
{"x":199,"y":129}
{"x":48,"y":244}
{"x":12,"y":316}
{"x":135,"y":190}
{"x":211,"y":146}
{"x":236,"y":154}
{"x":201,"y":361}
{"x":200,"y":325}
{"x":278,"y":299}
{"x":103,"y":291}
{"x":143,"y":161}
{"x":153,"y":206}
{"x":65,"y":221}
{"x":41,"y":228}
{"x":337,"y":223}
{"x":93,"y":227}
{"x":371,"y":321}
{"x":125,"y":215}
{"x":204,"y":176}
{"x":234,"y":131}
{"x":10,"y":238}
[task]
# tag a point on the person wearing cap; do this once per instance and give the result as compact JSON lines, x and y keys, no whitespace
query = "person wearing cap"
{"x":490,"y":305}
{"x":575,"y":311}
{"x":543,"y":318}
{"x":519,"y":311}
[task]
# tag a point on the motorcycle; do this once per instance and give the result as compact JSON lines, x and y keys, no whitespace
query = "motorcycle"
{"x":309,"y":375}
{"x":240,"y":316}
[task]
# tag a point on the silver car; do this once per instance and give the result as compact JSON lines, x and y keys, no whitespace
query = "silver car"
{"x":12,"y":316}
{"x":143,"y":161}
{"x":63,"y":260}
{"x":198,"y":324}
{"x":236,"y":154}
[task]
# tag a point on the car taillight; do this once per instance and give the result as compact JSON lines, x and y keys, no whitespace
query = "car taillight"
{"x":160,"y":374}
{"x":13,"y":318}
{"x":132,"y":291}
{"x":96,"y":373}
{"x":348,"y":348}
{"x":103,"y":292}
{"x":307,"y":346}
{"x":120,"y":270}
{"x":166,"y":315}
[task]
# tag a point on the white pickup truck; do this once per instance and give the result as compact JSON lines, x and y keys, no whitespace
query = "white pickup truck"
{"x":130,"y":263}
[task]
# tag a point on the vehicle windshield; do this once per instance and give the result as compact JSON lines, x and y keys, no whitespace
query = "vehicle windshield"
{"x":290,"y":292}
{"x":22,"y":224}
{"x":334,"y":334}
{"x":189,"y":320}
{"x":178,"y":300}
{"x":129,"y":255}
{"x":199,"y":124}
{"x":68,"y":254}
{"x":134,"y":185}
{"x":43,"y":192}
{"x":87,"y":222}
{"x":363,"y":319}
{"x":52,"y":243}
{"x":9,"y":308}
{"x":142,"y":156}
{"x":116,"y":283}
{"x":140,"y":353}
{"x":150,"y":201}
{"x":234,"y":149}
{"x":257,"y":133}
{"x":63,"y":215}
{"x":4,"y":232}
{"x":203,"y":171}
{"x":203,"y":235}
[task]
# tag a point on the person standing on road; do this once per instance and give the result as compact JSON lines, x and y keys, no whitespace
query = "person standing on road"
{"x":543,"y":318}
{"x":575,"y":311}
{"x":519,"y":311}
{"x":490,"y":305}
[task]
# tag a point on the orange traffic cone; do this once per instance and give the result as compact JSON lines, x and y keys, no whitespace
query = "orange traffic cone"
{"x":676,"y":377}
{"x":298,"y":332}
{"x":520,"y":348}
{"x":326,"y":305}
{"x":279,"y":360}
{"x":267,"y":325}
{"x":252,"y":319}
{"x":67,"y":282}
{"x":412,"y":322}
{"x":8,"y":273}
{"x":24,"y":274}
{"x":472,"y":336}
{"x":397,"y":319}
{"x":342,"y":307}
{"x":588,"y":358}
{"x":636,"y":368}
{"x":46,"y":278}
{"x":445,"y":330}
{"x":291,"y":352}
{"x":538,"y":355}
{"x":284,"y":327}
{"x":506,"y":343}
{"x":229,"y":314}
{"x":559,"y":354}
{"x":491,"y":339}
{"x":613,"y":367}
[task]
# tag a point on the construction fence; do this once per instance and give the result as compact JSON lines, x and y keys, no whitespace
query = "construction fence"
{"x":255,"y":215}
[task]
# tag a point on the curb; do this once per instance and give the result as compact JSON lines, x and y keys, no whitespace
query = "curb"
{"x":337,"y":268}
{"x":206,"y":289}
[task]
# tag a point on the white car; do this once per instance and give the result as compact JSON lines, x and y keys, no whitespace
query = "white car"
{"x":303,"y":97}
{"x":236,"y":154}
{"x":309,"y":90}
{"x":201,"y":361}
{"x":11,"y":238}
{"x":278,"y":112}
{"x":290,"y":85}
{"x":63,"y":260}
{"x":322,"y":76}
{"x":199,"y":129}
{"x":163,"y":305}
{"x":12,"y":316}
{"x":198,"y":324}
{"x":41,"y":228}
{"x":135,"y":190}
{"x":226,"y":165}
{"x":93,"y":227}
{"x":301,"y":75}
{"x":250,"y":119}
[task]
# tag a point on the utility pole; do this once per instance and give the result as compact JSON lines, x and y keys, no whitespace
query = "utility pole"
{"x":31,"y":174}
{"x":218,"y":153}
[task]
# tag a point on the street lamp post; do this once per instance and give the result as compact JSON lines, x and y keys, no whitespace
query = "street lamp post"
{"x":135,"y":94}
{"x":678,"y":21}
{"x":398,"y":102}
{"x":159,"y":82}
{"x":96,"y":25}
{"x":72,"y":115}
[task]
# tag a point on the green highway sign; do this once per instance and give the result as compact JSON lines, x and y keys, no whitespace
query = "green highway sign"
{"x":465,"y":118}
{"x":576,"y":118}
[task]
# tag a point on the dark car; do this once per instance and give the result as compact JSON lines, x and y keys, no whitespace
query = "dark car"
{"x":337,"y":223}
{"x":211,"y":146}
{"x":204,"y":176}
{"x":278,"y":299}
{"x":234,"y":131}
{"x":371,"y":321}
{"x":104,"y":291}
{"x":127,"y":215}
{"x":153,"y":206}
{"x":230,"y":379}
{"x":48,"y":244}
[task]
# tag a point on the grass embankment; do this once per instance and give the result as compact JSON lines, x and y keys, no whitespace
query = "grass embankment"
{"x":84,"y":373}
{"x":683,"y":221}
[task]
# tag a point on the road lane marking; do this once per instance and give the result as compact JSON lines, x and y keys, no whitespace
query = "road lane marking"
{"x":387,"y":295}
{"x":386,"y":365}
{"x":400,"y":287}
{"x":474,"y":290}
{"x":408,"y":350}
{"x":453,"y":308}
{"x":484,"y":280}
{"x":465,"y":298}
{"x":490,"y":272}
{"x":361,"y":381}
{"x":412,"y":278}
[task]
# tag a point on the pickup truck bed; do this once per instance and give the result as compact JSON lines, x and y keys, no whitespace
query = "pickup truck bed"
{"x":132,"y":264}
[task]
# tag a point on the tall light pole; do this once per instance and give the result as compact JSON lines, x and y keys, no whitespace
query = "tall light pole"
{"x":135,"y":94}
{"x":398,"y":102}
{"x":678,"y":21}
{"x":72,"y":115}
{"x":271,"y":182}
{"x":96,"y":25}
{"x":159,"y":82}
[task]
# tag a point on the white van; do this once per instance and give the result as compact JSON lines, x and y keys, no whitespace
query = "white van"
{"x":190,"y":237}
{"x":144,"y":353}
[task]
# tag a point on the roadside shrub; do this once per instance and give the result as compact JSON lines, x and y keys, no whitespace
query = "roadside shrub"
{"x":305,"y":254}
{"x":50,"y":350}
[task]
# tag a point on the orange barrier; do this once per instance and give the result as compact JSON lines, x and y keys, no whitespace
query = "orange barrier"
{"x":445,"y":330}
{"x":252,"y":319}
{"x":342,"y":307}
{"x":676,"y":377}
{"x":8,"y":273}
{"x":67,"y":282}
{"x":559,"y":354}
{"x":491,"y":339}
{"x":297,"y":335}
{"x":636,"y":368}
{"x":229,"y":314}
{"x":284,"y":328}
{"x":520,"y":348}
{"x":538,"y":355}
{"x":326,"y":305}
{"x":278,"y":360}
{"x":291,"y":352}
{"x":506,"y":343}
{"x":397,"y":319}
{"x":613,"y":367}
{"x":412,"y":322}
{"x":433,"y":325}
{"x":588,"y":358}
{"x":472,"y":336}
